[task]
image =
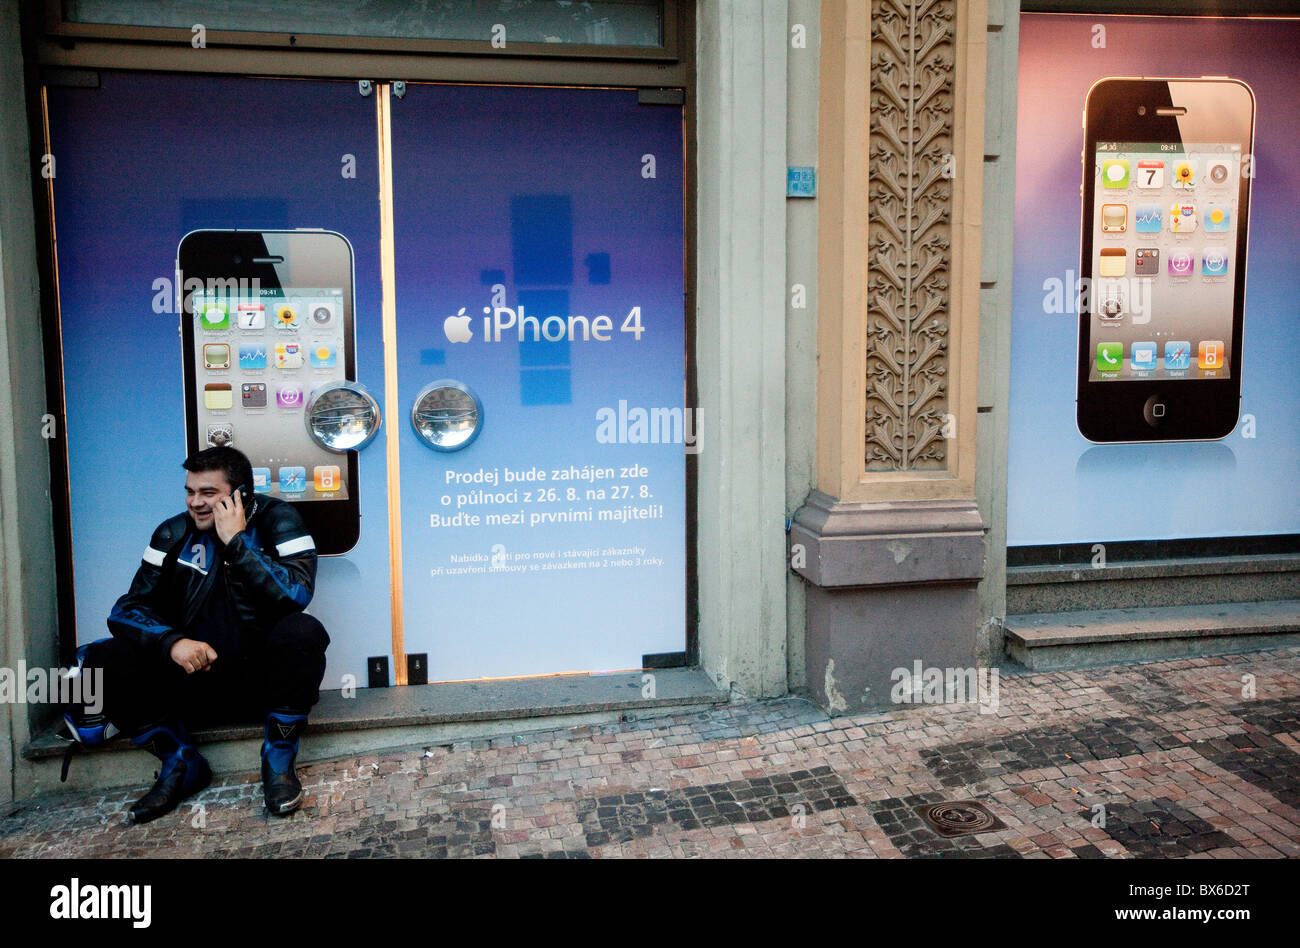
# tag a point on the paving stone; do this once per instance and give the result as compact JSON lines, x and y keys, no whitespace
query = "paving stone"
{"x":1160,"y":828}
{"x":1182,"y":764}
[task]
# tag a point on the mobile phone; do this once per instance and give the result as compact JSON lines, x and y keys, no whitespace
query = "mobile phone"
{"x":247,"y":497}
{"x":1167,"y":166}
{"x":266,"y":316}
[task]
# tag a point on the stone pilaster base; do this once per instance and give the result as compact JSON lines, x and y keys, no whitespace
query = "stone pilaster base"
{"x":890,"y":585}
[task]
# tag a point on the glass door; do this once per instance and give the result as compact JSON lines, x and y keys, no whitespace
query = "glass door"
{"x":138,"y":162}
{"x":540,"y":356}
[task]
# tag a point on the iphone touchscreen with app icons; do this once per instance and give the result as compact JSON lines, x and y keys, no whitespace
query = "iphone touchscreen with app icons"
{"x":1167,"y":167}
{"x":267,"y":317}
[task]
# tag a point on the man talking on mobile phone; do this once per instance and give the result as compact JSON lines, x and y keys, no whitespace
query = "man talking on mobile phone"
{"x":213,"y":630}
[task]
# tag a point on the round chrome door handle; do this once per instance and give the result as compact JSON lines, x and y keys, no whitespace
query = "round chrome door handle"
{"x":447,"y":415}
{"x":342,"y":416}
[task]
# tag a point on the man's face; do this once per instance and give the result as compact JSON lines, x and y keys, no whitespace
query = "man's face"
{"x":203,"y":489}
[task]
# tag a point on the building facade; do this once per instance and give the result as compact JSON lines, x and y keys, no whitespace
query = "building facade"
{"x":845,"y":172}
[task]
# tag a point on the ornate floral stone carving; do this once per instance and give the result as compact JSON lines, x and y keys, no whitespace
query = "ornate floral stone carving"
{"x":909,"y":241}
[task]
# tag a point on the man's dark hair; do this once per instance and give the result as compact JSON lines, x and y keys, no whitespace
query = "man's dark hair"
{"x":230,"y":462}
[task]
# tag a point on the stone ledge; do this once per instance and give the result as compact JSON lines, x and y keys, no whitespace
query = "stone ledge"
{"x":887,"y":544}
{"x":439,"y":705}
{"x":1153,"y":569}
{"x":1056,"y":641}
{"x":1115,"y":625}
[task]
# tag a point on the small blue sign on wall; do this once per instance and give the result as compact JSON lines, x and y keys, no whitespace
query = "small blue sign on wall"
{"x":801,"y":182}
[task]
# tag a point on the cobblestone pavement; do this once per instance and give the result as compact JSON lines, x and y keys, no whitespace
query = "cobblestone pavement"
{"x":1177,"y":759}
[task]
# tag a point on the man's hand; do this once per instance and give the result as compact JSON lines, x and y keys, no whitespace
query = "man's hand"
{"x":229,"y":517}
{"x":193,"y":656}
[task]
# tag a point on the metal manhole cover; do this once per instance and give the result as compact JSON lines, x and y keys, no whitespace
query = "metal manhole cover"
{"x":962,"y":818}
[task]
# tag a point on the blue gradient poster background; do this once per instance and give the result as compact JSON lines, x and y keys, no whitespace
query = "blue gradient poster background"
{"x":543,"y":195}
{"x":141,"y":161}
{"x":1061,"y":488}
{"x":544,"y":198}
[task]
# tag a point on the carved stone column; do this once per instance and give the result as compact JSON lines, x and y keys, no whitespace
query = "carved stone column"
{"x":891,"y":543}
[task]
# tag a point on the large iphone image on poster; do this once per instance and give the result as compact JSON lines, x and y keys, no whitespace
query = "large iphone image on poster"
{"x":1166,"y":199}
{"x":1231,"y":473}
{"x":267,"y":317}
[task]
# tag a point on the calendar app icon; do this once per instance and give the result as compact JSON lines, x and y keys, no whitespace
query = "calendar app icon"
{"x":1151,"y":174}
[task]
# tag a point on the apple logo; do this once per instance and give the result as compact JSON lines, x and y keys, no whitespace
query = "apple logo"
{"x":456,"y":328}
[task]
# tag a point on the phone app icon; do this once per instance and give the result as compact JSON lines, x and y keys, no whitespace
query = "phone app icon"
{"x":216,"y":355}
{"x":323,"y":356}
{"x":1182,"y":217}
{"x":1151,"y":174}
{"x":1110,"y":356}
{"x":1178,"y":355}
{"x":251,"y":316}
{"x":252,"y":356}
{"x":286,"y":316}
{"x":213,"y":316}
{"x":1209,"y":355}
{"x":1114,"y":261}
{"x":1185,"y":173}
{"x":293,"y":480}
{"x":326,"y":478}
{"x":218,"y":396}
{"x":1146,"y":261}
{"x":261,"y":480}
{"x":1217,"y":218}
{"x":322,"y":314}
{"x":1114,"y":173}
{"x":1147,"y":219}
{"x":220,"y":436}
{"x":1181,"y":263}
{"x":1218,"y":172}
{"x":288,"y":355}
{"x":1114,"y":218}
{"x":1214,"y":263}
{"x":288,"y":396}
{"x":1143,"y":355}
{"x":254,"y":394}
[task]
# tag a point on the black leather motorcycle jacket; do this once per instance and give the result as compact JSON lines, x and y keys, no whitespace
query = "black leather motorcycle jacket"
{"x":269,"y":572}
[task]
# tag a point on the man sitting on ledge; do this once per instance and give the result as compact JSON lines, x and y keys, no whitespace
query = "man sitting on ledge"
{"x":213,"y":630}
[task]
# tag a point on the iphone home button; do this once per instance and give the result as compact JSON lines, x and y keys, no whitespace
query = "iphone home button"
{"x":1154,"y":411}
